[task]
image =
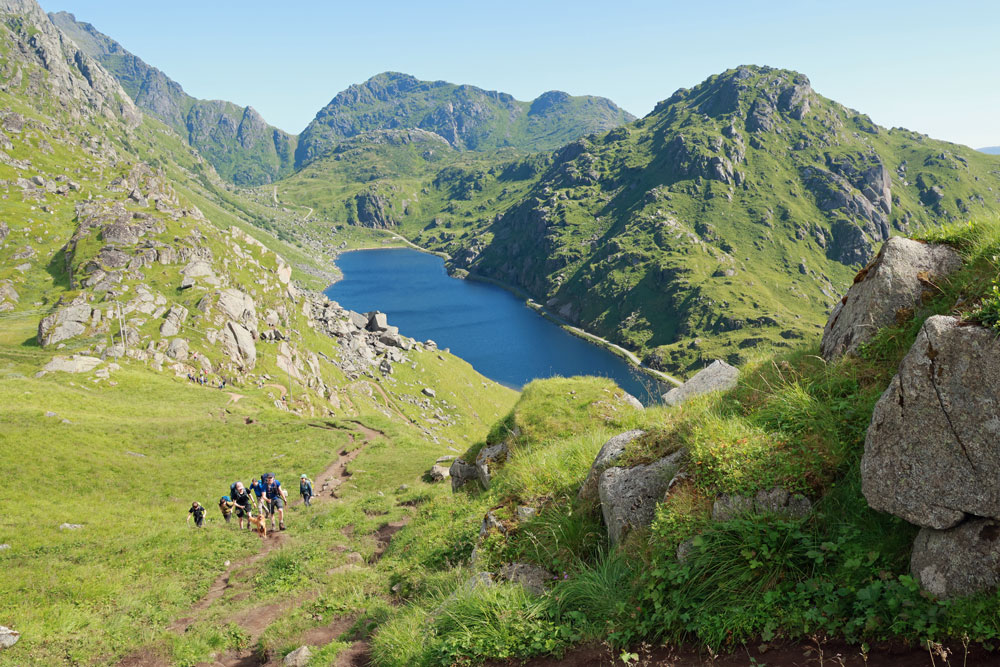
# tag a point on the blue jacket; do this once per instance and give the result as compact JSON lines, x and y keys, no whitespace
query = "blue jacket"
{"x":271,"y":490}
{"x":257,"y":488}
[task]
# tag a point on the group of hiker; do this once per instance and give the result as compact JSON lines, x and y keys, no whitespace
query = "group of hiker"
{"x":264,"y":497}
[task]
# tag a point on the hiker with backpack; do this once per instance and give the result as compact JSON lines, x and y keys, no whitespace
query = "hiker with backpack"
{"x":306,"y":489}
{"x":226,"y":506}
{"x":276,"y":498}
{"x":198,"y":512}
{"x":243,"y":502}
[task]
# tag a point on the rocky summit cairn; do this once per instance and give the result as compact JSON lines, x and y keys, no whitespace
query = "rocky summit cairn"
{"x":717,"y":376}
{"x":886,"y":292}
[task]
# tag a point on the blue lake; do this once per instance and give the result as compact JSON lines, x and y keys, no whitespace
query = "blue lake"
{"x":486,"y":325}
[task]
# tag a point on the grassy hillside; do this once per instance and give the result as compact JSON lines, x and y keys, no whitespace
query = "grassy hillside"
{"x":748,"y":585}
{"x":110,"y":212}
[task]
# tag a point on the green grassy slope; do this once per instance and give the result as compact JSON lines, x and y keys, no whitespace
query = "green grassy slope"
{"x":125,"y":447}
{"x":841,"y":572}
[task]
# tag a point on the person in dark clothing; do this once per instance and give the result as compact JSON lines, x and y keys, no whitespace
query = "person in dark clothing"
{"x":276,"y":497}
{"x":306,"y":489}
{"x":198,"y":512}
{"x":241,"y":498}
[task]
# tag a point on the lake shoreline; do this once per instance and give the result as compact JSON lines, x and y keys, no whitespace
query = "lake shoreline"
{"x":622,"y":353}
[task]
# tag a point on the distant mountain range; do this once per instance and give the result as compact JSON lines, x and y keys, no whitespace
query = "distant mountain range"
{"x":468,"y":118}
{"x":992,"y":150}
{"x":244,"y":149}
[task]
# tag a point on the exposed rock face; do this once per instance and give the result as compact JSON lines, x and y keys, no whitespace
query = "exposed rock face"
{"x":72,"y":75}
{"x":64,"y":324}
{"x":931,"y":454}
{"x":717,"y":376}
{"x":608,"y":454}
{"x":461,"y":473}
{"x":373,"y":210}
{"x":885,"y":292}
{"x":239,"y":344}
{"x":175,"y":319}
{"x":488,"y":459}
{"x":236,"y":140}
{"x":239,"y":306}
{"x":629,"y":495}
{"x":960,"y":561}
{"x":8,"y":296}
{"x":73,"y":364}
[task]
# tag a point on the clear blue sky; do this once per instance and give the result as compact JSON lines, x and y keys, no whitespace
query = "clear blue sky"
{"x":933,"y":67}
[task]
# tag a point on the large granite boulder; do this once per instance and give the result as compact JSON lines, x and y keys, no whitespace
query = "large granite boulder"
{"x":239,"y":344}
{"x":629,"y":495}
{"x":960,"y":561}
{"x":885,"y":292}
{"x":932,"y":454}
{"x":64,"y":324}
{"x":239,"y":306}
{"x":717,"y":376}
{"x":606,"y":457}
{"x":76,"y":363}
{"x":174,"y":321}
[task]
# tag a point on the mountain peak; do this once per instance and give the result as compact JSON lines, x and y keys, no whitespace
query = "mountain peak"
{"x":749,"y":91}
{"x":467,"y":117}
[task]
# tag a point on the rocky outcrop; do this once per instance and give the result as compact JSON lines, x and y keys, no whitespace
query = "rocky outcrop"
{"x":462,"y":473}
{"x":72,"y":76}
{"x":73,"y":364}
{"x":67,"y":322}
{"x":488,"y":459}
{"x":174,"y":321}
{"x":240,"y":307}
{"x":774,"y":501}
{"x":8,"y":296}
{"x":931,"y":454}
{"x":373,"y":210}
{"x":629,"y":495}
{"x":960,"y":561}
{"x":886,"y":292}
{"x":238,"y":342}
{"x":717,"y":376}
{"x":606,"y":457}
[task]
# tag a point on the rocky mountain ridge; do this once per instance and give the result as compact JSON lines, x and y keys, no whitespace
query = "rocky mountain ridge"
{"x":236,"y":140}
{"x":467,"y":117}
